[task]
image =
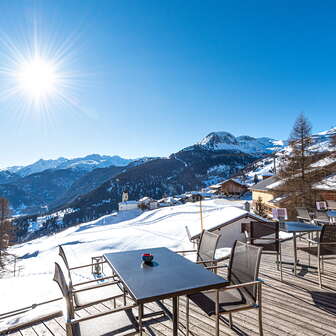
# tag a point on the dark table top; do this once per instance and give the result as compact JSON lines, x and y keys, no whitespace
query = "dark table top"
{"x":170,"y":275}
{"x":297,"y":227}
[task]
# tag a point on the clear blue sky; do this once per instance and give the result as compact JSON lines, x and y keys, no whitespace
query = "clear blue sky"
{"x":157,"y":76}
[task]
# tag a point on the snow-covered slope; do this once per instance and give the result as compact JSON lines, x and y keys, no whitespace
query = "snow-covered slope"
{"x":116,"y":232}
{"x":244,"y":143}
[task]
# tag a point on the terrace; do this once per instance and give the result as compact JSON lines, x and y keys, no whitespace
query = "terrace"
{"x":296,"y":306}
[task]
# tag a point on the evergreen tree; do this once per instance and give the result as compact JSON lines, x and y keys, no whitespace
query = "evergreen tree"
{"x":260,"y":208}
{"x":295,"y":168}
{"x":6,"y":228}
{"x":255,"y":179}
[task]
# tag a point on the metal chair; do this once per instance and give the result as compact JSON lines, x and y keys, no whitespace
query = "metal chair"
{"x":321,"y":218}
{"x":111,"y":289}
{"x":323,"y":246}
{"x":118,"y":321}
{"x":206,"y":249}
{"x":303,"y":215}
{"x":243,"y":293}
{"x":265,"y":235}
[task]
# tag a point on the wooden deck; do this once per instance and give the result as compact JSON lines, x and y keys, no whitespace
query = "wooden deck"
{"x":295,"y":306}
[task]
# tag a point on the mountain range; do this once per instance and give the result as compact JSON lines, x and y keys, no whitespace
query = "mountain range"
{"x":100,"y":179}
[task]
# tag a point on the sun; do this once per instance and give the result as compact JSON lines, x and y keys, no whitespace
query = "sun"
{"x":37,"y":78}
{"x":40,"y":77}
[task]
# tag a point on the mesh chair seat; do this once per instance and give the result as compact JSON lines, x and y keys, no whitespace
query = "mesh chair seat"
{"x":321,"y":217}
{"x":229,"y":300}
{"x":303,"y":214}
{"x":96,"y":294}
{"x":117,"y":324}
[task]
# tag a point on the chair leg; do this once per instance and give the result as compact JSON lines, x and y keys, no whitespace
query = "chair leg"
{"x":280,"y":257}
{"x":277,"y":261}
{"x":260,"y":310}
{"x":260,"y":321}
{"x":309,"y":254}
{"x":217,"y":312}
{"x":319,"y":265}
{"x":187,"y":314}
{"x":230,"y":320}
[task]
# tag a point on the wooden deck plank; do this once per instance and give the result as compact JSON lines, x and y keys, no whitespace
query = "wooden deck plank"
{"x":296,"y":306}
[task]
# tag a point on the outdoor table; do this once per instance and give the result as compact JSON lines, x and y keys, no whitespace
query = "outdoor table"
{"x":332,"y":215}
{"x":169,"y":276}
{"x":298,"y":227}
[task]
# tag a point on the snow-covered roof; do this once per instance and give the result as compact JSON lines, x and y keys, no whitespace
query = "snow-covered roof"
{"x":218,"y":185}
{"x":324,"y":162}
{"x":329,"y":183}
{"x":267,"y":184}
{"x":227,"y":215}
{"x":146,"y":199}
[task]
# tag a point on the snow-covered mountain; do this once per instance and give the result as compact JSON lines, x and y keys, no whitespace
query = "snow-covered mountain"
{"x":226,"y":141}
{"x":86,"y":163}
{"x":321,"y":144}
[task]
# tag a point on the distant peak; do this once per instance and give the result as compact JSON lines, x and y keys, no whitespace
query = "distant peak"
{"x":244,"y":143}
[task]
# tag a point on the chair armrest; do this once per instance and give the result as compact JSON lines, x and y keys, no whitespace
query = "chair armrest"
{"x":115,"y":310}
{"x":310,"y":240}
{"x":87,"y":265}
{"x":97,"y":286}
{"x":215,"y":267}
{"x":186,"y":251}
{"x":242,"y":285}
{"x":207,"y":261}
{"x":93,"y":280}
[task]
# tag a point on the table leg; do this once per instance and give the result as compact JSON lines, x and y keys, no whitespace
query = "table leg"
{"x":141,"y":311}
{"x":175,"y":315}
{"x":295,"y":254}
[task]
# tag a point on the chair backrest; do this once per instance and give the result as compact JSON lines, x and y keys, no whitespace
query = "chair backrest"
{"x":188,"y":233}
{"x":279,"y":214}
{"x":264,"y":234}
{"x":303,"y":213}
{"x":244,"y":267}
{"x":321,"y":205}
{"x":321,"y":216}
{"x":328,"y":238}
{"x":66,"y":293}
{"x":328,"y":234}
{"x":61,"y":253}
{"x":207,"y":247}
{"x":331,"y":205}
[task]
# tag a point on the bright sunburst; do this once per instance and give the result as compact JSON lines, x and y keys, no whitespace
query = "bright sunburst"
{"x":37,"y":78}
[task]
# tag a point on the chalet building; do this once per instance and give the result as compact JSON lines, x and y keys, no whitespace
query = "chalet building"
{"x":264,"y":190}
{"x":229,"y":187}
{"x":148,"y":202}
{"x":268,"y":191}
{"x":128,"y":205}
{"x":229,"y":226}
